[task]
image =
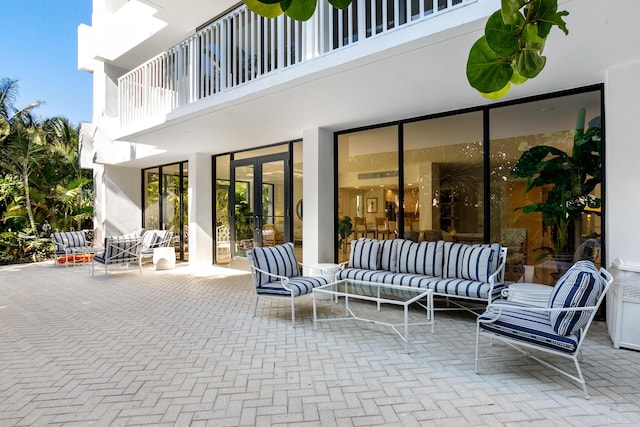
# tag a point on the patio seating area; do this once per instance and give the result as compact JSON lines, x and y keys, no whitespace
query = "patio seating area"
{"x":182,"y":347}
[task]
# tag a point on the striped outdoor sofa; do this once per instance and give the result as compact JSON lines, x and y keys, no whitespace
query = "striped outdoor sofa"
{"x":456,"y":271}
{"x":276,"y":273}
{"x":558,"y":329}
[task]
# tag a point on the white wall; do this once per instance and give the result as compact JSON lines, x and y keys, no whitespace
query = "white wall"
{"x":622,"y":91}
{"x":318,"y":224}
{"x":117,"y":200}
{"x":200,"y":214}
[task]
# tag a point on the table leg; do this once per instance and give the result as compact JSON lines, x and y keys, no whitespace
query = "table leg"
{"x":406,"y":328}
{"x":315,"y":313}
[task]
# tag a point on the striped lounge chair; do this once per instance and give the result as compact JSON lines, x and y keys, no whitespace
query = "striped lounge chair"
{"x":558,"y":329}
{"x":275,"y":273}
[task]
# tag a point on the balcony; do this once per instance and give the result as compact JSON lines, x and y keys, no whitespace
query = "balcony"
{"x":242,"y":47}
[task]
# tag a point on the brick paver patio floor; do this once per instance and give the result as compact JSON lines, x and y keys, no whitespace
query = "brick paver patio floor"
{"x":182,"y":347}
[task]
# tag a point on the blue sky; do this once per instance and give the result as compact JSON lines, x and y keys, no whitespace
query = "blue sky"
{"x":39,"y":40}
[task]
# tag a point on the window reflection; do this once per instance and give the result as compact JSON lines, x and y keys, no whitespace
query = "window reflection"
{"x":533,"y":215}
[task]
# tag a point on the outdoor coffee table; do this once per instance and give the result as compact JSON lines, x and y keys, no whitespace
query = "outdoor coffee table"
{"x":381,"y":294}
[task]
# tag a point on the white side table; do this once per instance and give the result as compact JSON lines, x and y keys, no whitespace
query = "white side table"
{"x":530,"y":293}
{"x":326,"y":270}
{"x":164,"y":258}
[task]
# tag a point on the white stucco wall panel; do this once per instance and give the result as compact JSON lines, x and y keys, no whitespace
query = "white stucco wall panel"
{"x":200,"y":217}
{"x":622,"y":91}
{"x":121,"y":211}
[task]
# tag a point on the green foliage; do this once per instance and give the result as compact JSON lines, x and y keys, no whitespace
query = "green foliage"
{"x":572,"y":179}
{"x":300,"y":10}
{"x":509,"y":52}
{"x":345,"y":227}
{"x":40,"y":178}
{"x":243,"y":225}
{"x":16,"y":248}
{"x":511,"y":49}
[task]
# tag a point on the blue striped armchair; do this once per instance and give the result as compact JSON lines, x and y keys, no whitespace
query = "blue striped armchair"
{"x":276,"y":273}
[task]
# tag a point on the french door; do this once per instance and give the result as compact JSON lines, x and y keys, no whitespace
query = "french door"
{"x":260,"y":194}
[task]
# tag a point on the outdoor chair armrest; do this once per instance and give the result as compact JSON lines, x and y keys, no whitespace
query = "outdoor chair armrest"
{"x":496,"y":310}
{"x":284,"y":279}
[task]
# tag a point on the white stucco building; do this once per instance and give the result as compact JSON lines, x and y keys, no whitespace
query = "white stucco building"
{"x":199,"y":105}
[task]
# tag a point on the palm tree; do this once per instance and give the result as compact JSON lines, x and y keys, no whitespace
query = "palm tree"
{"x":22,"y":152}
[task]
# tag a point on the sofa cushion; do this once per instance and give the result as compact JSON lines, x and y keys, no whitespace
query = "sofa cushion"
{"x":150,"y":239}
{"x":280,"y":260}
{"x":69,"y":239}
{"x":466,"y":288}
{"x":471,"y":262}
{"x":410,"y":280}
{"x":377,"y":276}
{"x":389,"y":254}
{"x":300,"y":285}
{"x":580,"y":286}
{"x":531,"y":326}
{"x":365,"y":254}
{"x":420,"y":258}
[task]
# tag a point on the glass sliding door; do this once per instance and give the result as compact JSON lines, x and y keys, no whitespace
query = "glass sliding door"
{"x":443,"y":179}
{"x":368,"y":190}
{"x":165,"y":203}
{"x":261,"y":199}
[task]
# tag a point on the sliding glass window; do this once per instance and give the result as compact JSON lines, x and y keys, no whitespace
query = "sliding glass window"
{"x":443,"y":179}
{"x":545,"y":184}
{"x":368,"y":184}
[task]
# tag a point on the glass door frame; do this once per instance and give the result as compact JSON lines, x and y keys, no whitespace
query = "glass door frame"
{"x":256,"y":195}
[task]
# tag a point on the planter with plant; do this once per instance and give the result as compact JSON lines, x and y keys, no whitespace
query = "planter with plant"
{"x":571,"y":179}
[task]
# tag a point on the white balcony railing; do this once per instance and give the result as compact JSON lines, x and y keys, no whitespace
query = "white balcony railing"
{"x":242,"y":46}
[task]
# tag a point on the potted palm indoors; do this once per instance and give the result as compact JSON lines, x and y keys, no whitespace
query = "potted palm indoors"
{"x":571,"y":179}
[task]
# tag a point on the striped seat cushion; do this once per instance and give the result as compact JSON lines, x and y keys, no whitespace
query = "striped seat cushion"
{"x":300,"y":285}
{"x":280,"y":260}
{"x":68,"y":239}
{"x":410,"y":280}
{"x":532,"y":327}
{"x":363,"y":274}
{"x":389,"y":254}
{"x":119,"y":249}
{"x":365,"y":254}
{"x":465,"y":288}
{"x":580,"y":286}
{"x":150,"y":239}
{"x":472,"y":262}
{"x":420,"y":258}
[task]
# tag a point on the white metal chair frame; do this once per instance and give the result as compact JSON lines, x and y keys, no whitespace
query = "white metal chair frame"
{"x":120,"y":251}
{"x":521,"y":345}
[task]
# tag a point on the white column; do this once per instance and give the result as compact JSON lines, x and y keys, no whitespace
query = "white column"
{"x":118,"y":200}
{"x":622,"y":91}
{"x":318,"y":187}
{"x":200,"y":215}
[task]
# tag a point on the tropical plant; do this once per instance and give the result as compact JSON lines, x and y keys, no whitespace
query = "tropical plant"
{"x":300,"y":10}
{"x":510,"y":51}
{"x":42,"y":187}
{"x":23,"y":154}
{"x":571,"y":178}
{"x":345,"y":228}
